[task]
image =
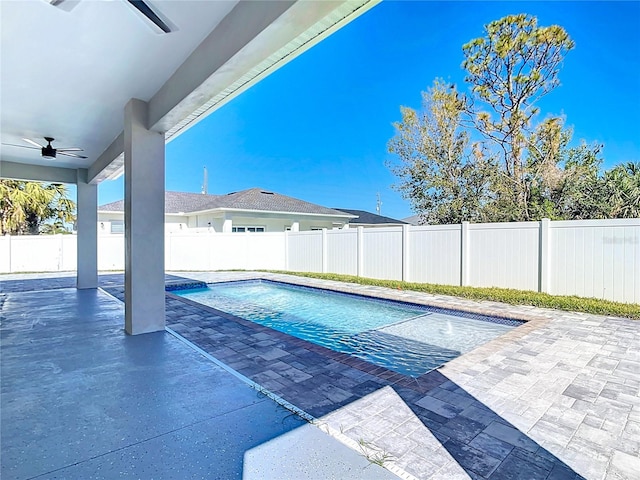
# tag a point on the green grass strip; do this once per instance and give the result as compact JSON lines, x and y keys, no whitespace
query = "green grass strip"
{"x":504,"y":295}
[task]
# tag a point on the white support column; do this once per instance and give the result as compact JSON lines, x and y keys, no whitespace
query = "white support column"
{"x":286,"y":250}
{"x":543,"y":256}
{"x":295,"y":226}
{"x":144,"y":222}
{"x":464,"y":254}
{"x":87,"y":238}
{"x":227,"y":224}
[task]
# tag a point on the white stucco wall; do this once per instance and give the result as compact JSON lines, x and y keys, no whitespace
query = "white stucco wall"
{"x":215,"y":222}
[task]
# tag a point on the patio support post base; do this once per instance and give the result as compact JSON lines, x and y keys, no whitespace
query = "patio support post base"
{"x":87,"y":253}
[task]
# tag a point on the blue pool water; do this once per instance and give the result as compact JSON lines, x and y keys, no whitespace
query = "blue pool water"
{"x":406,"y":338}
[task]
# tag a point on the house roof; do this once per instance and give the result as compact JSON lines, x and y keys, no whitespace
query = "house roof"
{"x":369,"y":218}
{"x":413,"y":220}
{"x":254,"y":199}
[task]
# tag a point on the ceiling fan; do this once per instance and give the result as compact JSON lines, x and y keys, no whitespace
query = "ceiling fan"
{"x":140,"y":5}
{"x":48,"y":151}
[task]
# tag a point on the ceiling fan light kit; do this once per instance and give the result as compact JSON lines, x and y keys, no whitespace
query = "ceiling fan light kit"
{"x":47,"y":151}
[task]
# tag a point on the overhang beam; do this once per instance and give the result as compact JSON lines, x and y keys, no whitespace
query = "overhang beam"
{"x":38,"y":173}
{"x":110,"y":163}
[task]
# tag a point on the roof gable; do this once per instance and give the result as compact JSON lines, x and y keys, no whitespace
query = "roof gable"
{"x":370,"y":218}
{"x":174,"y":202}
{"x":253,"y":199}
{"x":265,"y":200}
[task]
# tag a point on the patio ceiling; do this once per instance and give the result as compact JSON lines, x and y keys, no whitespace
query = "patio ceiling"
{"x":68,"y":70}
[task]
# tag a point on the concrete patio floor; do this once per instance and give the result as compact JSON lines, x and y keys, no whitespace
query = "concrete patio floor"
{"x":558,"y":397}
{"x":81,"y":399}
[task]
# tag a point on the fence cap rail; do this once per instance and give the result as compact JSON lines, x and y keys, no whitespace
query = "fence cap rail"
{"x":611,"y":222}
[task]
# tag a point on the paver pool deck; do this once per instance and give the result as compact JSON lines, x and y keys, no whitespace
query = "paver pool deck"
{"x":558,"y":397}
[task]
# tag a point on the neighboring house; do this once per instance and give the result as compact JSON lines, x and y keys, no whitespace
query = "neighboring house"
{"x":252,"y":210}
{"x":368,"y":219}
{"x":413,"y":220}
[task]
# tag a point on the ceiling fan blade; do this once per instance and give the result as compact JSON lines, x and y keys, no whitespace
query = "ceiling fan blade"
{"x":69,"y":149}
{"x":33,"y":143}
{"x":70,"y":154}
{"x":21,"y":146}
{"x":150,"y":14}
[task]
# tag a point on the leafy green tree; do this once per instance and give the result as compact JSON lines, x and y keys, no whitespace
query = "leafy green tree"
{"x":563,"y":182}
{"x":509,"y":69}
{"x":30,"y":208}
{"x":622,"y":190}
{"x":518,"y":168}
{"x":440,"y":173}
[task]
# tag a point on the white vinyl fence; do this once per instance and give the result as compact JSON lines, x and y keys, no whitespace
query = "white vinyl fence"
{"x":590,"y":258}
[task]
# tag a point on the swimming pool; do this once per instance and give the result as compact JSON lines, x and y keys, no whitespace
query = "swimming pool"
{"x":406,"y":338}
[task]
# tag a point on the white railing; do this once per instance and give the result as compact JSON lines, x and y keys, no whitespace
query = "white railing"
{"x":590,"y":258}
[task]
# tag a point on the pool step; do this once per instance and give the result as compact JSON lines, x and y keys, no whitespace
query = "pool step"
{"x":402,"y":321}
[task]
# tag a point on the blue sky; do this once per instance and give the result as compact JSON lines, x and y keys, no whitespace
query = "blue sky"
{"x":317,"y":128}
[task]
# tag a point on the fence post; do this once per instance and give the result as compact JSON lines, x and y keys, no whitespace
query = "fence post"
{"x":286,"y":250}
{"x":543,"y":255}
{"x":405,"y":253}
{"x":464,"y":254}
{"x":167,"y":250}
{"x":324,"y":250}
{"x":60,"y":253}
{"x":360,"y":251}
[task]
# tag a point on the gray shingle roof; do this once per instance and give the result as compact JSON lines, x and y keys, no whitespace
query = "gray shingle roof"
{"x":369,"y":218}
{"x":251,"y":199}
{"x":174,"y":202}
{"x":112,"y":207}
{"x":413,"y":220}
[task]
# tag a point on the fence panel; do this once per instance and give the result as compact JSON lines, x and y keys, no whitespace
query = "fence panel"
{"x":591,"y":258}
{"x":69,"y":252}
{"x":5,"y":253}
{"x":434,"y":254}
{"x":188,"y":252}
{"x":342,"y":251}
{"x":304,"y":251}
{"x":248,"y":251}
{"x":265,"y":251}
{"x":110,"y":252}
{"x":36,"y":253}
{"x":227,"y":251}
{"x":382,"y":253}
{"x":504,"y":255}
{"x":596,"y":258}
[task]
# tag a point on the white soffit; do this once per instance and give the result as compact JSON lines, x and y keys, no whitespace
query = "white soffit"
{"x":68,"y":74}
